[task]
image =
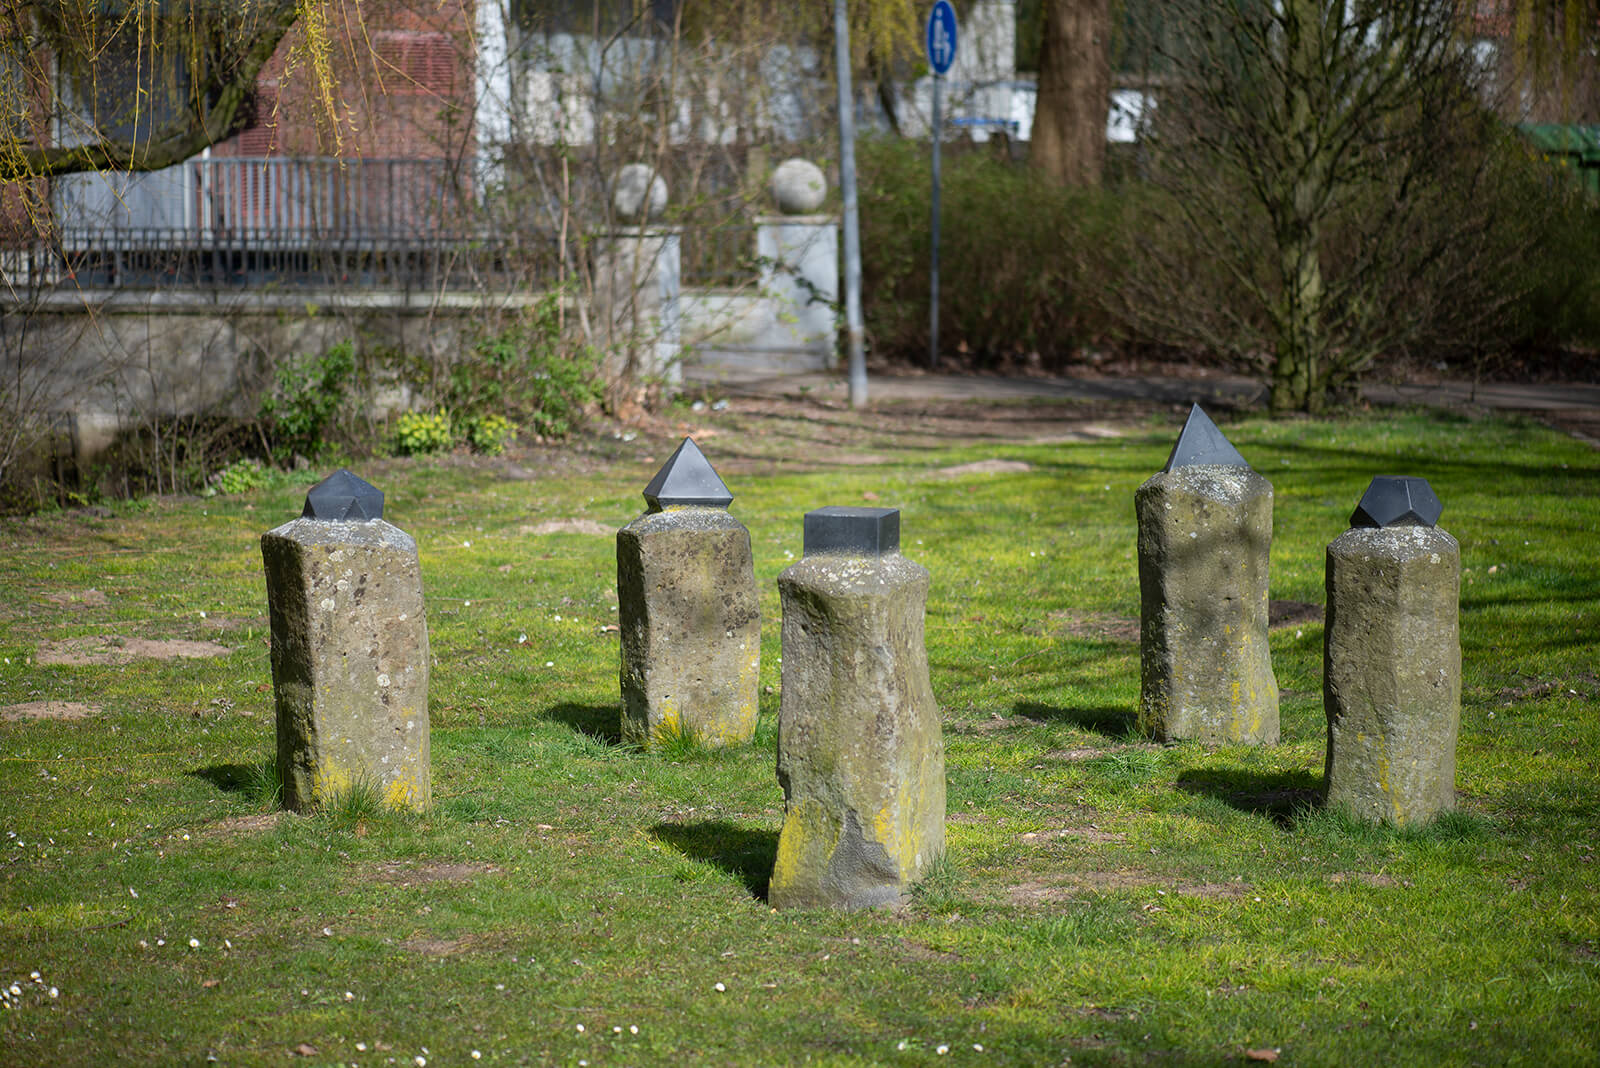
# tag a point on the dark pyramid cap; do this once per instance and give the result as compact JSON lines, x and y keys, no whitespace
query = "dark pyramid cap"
{"x":1202,"y":443}
{"x":1397,"y":501}
{"x":343,"y":496}
{"x":687,"y":478}
{"x":856,"y":531}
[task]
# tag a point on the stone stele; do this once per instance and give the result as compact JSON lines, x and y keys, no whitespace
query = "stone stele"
{"x":690,"y":618}
{"x":860,"y":752}
{"x":349,"y":661}
{"x":1205,"y":532}
{"x":1392,"y":673}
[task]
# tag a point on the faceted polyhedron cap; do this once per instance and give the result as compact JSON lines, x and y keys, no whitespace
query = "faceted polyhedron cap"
{"x":1202,"y":443}
{"x":1397,"y":501}
{"x":687,"y":478}
{"x":343,"y":496}
{"x":856,"y":531}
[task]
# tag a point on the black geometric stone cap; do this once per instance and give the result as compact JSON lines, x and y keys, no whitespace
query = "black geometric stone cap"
{"x":1202,"y":443}
{"x":857,"y":531}
{"x":343,"y":496}
{"x":687,"y":478}
{"x":1397,"y":501}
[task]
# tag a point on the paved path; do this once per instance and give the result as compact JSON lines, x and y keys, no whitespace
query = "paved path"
{"x":1573,"y":406}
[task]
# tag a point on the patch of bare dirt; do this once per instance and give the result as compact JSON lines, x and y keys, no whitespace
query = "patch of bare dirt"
{"x":239,"y":826}
{"x":437,"y":947}
{"x":90,"y":598}
{"x":1365,"y":878}
{"x":1090,"y":833}
{"x":1076,"y":885}
{"x":1102,"y":626}
{"x":30,"y":710}
{"x":1291,"y":613}
{"x":568,"y":526}
{"x":112,"y":649}
{"x":405,"y":873}
{"x":913,"y":950}
{"x":1073,"y":756}
{"x":982,"y":467}
{"x":993,"y":725}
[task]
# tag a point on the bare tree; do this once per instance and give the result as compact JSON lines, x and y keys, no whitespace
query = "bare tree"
{"x":1324,"y":174}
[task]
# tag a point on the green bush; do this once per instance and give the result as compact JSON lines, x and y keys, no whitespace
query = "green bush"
{"x":1014,"y":273}
{"x":307,"y":396}
{"x":525,"y":369}
{"x":422,"y":433}
{"x":241,"y":476}
{"x":488,"y":434}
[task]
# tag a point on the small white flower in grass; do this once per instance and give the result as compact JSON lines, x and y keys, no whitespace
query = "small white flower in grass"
{"x":133,"y":892}
{"x":580,"y":1029}
{"x":349,"y":995}
{"x":942,"y":1050}
{"x":901,"y":1045}
{"x":361,"y":1047}
{"x":549,"y":663}
{"x":420,"y":1061}
{"x":54,"y":992}
{"x":633,"y":1029}
{"x":466,"y":604}
{"x":34,"y":976}
{"x":466,"y":545}
{"x":16,"y":991}
{"x":719,"y":988}
{"x":477,"y":1055}
{"x":161,"y":941}
{"x":977,"y":1047}
{"x":194,"y":943}
{"x":558,"y":619}
{"x":616,"y":1030}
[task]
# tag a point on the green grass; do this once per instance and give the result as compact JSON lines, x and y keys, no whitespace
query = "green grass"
{"x":1103,"y":900}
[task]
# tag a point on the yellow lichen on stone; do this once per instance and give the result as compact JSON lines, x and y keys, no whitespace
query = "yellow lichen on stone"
{"x":808,"y":839}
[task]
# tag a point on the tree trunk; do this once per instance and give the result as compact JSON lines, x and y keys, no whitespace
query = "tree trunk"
{"x":1069,"y":117}
{"x":1299,"y":374}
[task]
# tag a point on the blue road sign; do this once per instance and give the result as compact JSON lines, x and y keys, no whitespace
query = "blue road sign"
{"x":941,"y":38}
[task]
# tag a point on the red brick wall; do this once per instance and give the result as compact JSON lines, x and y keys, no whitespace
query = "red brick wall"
{"x":405,"y":86}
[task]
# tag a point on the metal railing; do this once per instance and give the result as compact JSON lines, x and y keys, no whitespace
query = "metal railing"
{"x":409,"y":224}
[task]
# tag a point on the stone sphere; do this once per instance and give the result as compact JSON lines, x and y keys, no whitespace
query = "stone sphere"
{"x":639,"y":192}
{"x":798,"y":186}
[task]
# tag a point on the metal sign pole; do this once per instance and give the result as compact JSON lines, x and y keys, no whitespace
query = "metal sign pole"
{"x":940,"y":41}
{"x":933,"y":277}
{"x":854,"y":330}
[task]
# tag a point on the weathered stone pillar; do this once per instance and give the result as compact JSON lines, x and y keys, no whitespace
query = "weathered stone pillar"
{"x":689,"y":612}
{"x":860,"y":750}
{"x":1205,"y":533}
{"x":349,"y":650}
{"x":1392,"y":658}
{"x":638,"y":274}
{"x":799,"y":255}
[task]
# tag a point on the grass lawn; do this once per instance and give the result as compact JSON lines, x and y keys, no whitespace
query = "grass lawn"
{"x":570,"y":901}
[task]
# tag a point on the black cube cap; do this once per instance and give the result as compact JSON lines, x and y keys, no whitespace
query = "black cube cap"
{"x":1202,"y":443}
{"x":687,"y":478}
{"x":856,"y":531}
{"x":1397,"y":501}
{"x":343,"y":496}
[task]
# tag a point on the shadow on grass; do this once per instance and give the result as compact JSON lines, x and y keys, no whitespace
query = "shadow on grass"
{"x":1282,"y":796}
{"x":229,"y":778}
{"x":1111,"y":722}
{"x":740,"y":851}
{"x":600,"y":722}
